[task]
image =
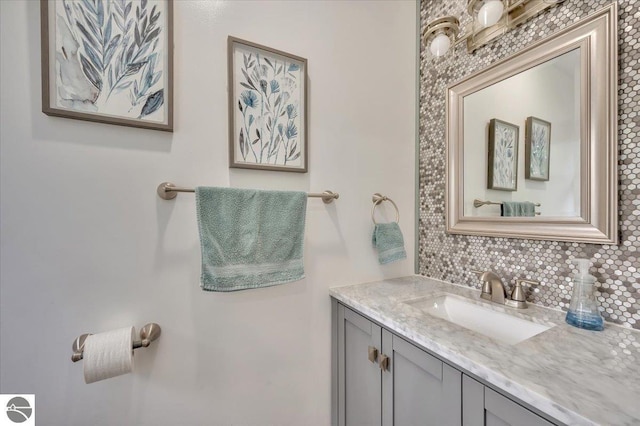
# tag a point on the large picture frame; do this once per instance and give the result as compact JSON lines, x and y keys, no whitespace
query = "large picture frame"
{"x":267,"y":108}
{"x":537,"y":149}
{"x":108,"y":61}
{"x":503,"y":156}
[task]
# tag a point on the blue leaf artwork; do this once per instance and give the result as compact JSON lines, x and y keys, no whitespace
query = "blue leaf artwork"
{"x":268,"y":93}
{"x":539,"y":159}
{"x":153,"y":102}
{"x":110,"y":57}
{"x":505,"y":156}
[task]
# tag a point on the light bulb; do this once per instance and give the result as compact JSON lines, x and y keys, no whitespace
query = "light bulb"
{"x":440,"y":44}
{"x":490,"y":12}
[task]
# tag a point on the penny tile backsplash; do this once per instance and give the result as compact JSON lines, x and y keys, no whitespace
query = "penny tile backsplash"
{"x":451,"y":257}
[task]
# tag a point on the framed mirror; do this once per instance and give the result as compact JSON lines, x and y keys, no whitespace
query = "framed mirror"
{"x":532,"y":140}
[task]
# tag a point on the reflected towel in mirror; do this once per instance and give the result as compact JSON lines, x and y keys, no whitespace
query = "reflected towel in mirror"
{"x":517,"y":208}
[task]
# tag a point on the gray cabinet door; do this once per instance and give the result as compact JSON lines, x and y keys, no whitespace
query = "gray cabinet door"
{"x":484,"y":407}
{"x":359,"y":380}
{"x":417,"y":388}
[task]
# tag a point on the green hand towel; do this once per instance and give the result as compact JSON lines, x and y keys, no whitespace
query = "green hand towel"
{"x":517,"y":208}
{"x":250,"y":238}
{"x":387,"y":238}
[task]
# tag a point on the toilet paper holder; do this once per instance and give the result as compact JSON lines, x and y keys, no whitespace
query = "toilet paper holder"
{"x":148,"y":334}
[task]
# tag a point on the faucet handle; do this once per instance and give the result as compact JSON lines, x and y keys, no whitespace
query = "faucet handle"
{"x":518,"y":296}
{"x":518,"y":293}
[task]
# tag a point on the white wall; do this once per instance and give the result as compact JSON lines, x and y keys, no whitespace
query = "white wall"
{"x":87,"y":246}
{"x":551,"y":92}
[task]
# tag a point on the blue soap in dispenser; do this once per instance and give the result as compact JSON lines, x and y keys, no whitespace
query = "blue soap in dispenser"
{"x":583,"y":310}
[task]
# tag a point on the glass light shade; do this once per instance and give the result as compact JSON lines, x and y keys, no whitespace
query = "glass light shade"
{"x":440,"y":44}
{"x":490,"y":12}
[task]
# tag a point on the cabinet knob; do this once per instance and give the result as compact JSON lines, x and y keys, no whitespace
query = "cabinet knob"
{"x":384,"y":362}
{"x":373,"y":354}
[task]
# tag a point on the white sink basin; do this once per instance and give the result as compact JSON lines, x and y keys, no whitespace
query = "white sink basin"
{"x":496,"y":325}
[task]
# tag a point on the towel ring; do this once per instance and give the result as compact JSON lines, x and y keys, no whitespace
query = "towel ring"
{"x":378,"y":199}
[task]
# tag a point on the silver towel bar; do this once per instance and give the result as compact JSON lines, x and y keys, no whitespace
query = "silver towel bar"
{"x":479,"y":203}
{"x":148,"y":334}
{"x":168,"y":191}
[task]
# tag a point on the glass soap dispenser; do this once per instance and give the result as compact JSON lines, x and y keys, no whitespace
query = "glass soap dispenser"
{"x":583,"y":310}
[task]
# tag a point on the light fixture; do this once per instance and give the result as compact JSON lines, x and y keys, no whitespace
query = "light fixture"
{"x":440,"y":44}
{"x":487,"y":12}
{"x":441,"y":34}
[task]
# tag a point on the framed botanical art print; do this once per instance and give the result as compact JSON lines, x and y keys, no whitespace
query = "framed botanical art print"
{"x":267,"y":108}
{"x":537,"y":149}
{"x":503,"y":156}
{"x":109,"y":61}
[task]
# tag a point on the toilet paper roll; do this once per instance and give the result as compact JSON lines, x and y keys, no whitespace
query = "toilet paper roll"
{"x":108,"y":354}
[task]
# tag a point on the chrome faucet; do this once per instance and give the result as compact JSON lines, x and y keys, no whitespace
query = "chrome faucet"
{"x":493,"y":289}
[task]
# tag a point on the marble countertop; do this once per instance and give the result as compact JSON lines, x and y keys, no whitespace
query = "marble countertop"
{"x":576,"y":376}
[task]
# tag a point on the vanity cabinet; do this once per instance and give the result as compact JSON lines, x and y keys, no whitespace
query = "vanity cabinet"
{"x":359,"y":379}
{"x":381,"y":379}
{"x":385,"y":380}
{"x":482,"y":406}
{"x":417,"y":388}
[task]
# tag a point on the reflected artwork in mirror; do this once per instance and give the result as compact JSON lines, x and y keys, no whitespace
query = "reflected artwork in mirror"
{"x":550,"y":90}
{"x":537,"y":150}
{"x":567,"y":82}
{"x":503,"y":156}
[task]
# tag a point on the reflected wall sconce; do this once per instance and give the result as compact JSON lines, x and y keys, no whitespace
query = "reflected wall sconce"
{"x":491,"y":19}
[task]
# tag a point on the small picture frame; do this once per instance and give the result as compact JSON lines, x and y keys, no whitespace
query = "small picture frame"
{"x":108,"y":61}
{"x":267,"y":108}
{"x":503,"y":156}
{"x":537,"y":149}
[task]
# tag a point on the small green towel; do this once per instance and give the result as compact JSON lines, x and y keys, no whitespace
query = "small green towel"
{"x":516,"y":208}
{"x":387,"y":238}
{"x":250,"y":238}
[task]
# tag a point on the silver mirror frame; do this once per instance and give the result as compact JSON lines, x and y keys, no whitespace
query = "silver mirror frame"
{"x":596,"y":36}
